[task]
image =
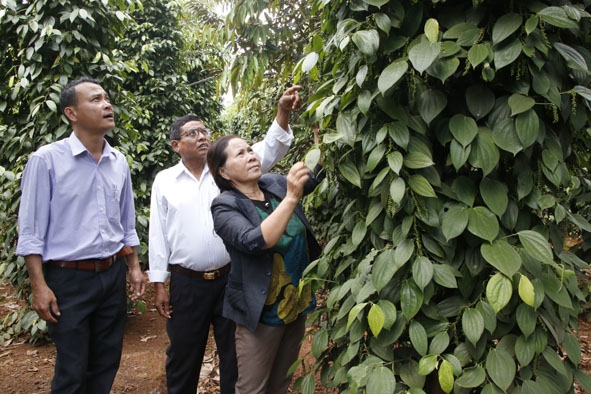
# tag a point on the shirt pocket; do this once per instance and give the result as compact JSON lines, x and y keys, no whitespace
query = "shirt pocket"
{"x":113,"y":192}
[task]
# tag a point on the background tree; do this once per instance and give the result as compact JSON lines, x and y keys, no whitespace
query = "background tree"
{"x":449,"y":130}
{"x":266,"y":40}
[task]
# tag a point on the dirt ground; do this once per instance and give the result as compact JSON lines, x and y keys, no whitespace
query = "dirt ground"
{"x":27,"y":369}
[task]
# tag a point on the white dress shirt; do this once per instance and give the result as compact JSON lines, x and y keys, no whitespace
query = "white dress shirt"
{"x":181,"y":226}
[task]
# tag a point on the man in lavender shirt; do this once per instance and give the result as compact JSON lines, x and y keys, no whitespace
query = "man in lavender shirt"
{"x":76,"y":232}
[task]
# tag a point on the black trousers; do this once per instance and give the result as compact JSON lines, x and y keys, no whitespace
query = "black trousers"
{"x":89,"y":333}
{"x":197,"y":303}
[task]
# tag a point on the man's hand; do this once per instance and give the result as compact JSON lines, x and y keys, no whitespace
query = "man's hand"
{"x":44,"y":301}
{"x":45,"y":304}
{"x":289,"y":101}
{"x":137,"y":281}
{"x":161,"y":301}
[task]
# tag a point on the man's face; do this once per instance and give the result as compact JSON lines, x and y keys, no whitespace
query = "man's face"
{"x":93,"y":111}
{"x":194,"y":141}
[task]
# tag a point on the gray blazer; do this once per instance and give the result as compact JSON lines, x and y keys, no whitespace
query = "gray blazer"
{"x":238,"y":223}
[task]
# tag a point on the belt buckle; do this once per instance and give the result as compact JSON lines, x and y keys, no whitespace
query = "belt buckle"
{"x":210,"y":275}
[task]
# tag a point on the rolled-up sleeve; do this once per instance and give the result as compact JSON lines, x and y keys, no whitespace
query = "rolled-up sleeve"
{"x":130,"y":237}
{"x":275,"y":145}
{"x":33,"y":216}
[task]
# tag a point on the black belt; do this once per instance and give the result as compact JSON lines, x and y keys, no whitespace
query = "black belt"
{"x":207,"y":275}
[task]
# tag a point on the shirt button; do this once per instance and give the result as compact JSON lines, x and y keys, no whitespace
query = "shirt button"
{"x":264,"y":291}
{"x":268,"y":273}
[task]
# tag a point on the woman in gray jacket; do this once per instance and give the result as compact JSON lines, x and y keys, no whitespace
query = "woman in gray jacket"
{"x":270,"y":243}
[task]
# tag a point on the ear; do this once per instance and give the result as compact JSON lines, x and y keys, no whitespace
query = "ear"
{"x":175,"y":145}
{"x":70,"y":113}
{"x":224,"y":174}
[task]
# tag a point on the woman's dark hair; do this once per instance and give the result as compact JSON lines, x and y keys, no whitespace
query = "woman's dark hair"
{"x":68,"y":96}
{"x":216,"y":159}
{"x":175,"y":128}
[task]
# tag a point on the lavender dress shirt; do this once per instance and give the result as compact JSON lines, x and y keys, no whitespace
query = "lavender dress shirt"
{"x":73,"y":207}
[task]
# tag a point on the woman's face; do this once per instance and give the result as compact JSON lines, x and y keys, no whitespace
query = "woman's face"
{"x":242,"y":163}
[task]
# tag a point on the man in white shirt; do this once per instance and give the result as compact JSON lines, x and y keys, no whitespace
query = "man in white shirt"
{"x":182,"y":241}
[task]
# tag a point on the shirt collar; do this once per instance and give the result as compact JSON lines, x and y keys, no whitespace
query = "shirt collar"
{"x":78,"y":148}
{"x":180,"y":169}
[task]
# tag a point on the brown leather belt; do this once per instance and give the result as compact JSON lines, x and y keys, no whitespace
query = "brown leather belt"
{"x":96,"y":265}
{"x":207,"y":275}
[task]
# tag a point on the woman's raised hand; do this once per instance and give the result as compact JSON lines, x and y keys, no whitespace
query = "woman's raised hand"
{"x":297,"y":177}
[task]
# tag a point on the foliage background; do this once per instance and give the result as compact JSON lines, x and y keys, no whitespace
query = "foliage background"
{"x":456,"y":145}
{"x":451,"y":132}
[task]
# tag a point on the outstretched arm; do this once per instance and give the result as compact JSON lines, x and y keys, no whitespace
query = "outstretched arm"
{"x":279,"y":136}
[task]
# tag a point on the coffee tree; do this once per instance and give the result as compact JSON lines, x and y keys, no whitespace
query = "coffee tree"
{"x":449,"y":131}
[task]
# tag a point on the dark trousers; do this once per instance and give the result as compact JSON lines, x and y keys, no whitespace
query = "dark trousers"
{"x":197,"y":303}
{"x":89,"y":333}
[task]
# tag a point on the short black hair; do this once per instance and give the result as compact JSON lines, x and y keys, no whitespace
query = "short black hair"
{"x":216,"y":159}
{"x":175,"y":128}
{"x":68,"y":96}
